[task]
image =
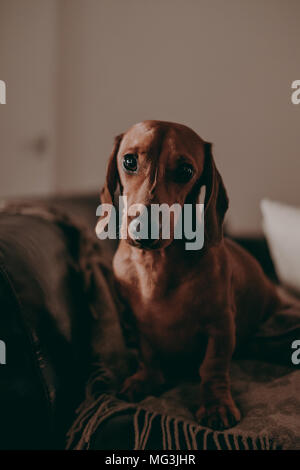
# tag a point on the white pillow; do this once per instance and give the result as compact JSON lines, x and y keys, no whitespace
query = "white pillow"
{"x":281,"y":226}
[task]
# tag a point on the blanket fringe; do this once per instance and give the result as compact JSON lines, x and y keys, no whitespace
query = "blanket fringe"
{"x":176,"y":433}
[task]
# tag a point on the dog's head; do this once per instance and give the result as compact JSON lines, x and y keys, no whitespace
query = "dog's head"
{"x":157,"y":162}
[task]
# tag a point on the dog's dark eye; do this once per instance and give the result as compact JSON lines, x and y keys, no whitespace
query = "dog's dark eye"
{"x":130,"y":162}
{"x":184,"y":173}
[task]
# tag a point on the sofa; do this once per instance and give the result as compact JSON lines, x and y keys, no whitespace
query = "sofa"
{"x":46,"y":326}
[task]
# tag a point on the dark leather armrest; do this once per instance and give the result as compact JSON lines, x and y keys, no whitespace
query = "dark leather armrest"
{"x":44,"y":324}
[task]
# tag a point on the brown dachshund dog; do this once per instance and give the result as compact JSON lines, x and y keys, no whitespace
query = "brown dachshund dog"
{"x":192,"y":309}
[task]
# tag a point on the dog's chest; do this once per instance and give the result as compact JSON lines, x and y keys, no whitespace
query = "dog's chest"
{"x":166,"y":309}
{"x":145,"y":283}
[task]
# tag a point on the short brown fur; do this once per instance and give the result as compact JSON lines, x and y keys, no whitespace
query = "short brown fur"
{"x":190,"y":307}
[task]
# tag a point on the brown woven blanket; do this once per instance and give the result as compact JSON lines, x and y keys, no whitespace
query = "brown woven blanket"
{"x":267,"y":393}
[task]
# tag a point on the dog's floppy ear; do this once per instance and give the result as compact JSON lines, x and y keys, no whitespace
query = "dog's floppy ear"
{"x":112,"y":174}
{"x":216,"y":200}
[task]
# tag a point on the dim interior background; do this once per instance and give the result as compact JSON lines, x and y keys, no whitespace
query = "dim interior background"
{"x":79,"y":72}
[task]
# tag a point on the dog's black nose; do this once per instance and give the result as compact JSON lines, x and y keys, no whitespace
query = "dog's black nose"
{"x":145,"y":243}
{"x":143,"y":230}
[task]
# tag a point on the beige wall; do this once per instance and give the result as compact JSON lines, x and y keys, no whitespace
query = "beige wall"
{"x":28,"y":65}
{"x":223,"y":67}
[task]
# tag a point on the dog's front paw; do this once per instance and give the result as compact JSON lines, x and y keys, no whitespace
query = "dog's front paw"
{"x":141,"y":384}
{"x":219,"y":415}
{"x":135,"y":387}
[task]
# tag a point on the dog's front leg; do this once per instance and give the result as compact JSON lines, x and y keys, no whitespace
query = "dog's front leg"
{"x":148,"y":379}
{"x":218,"y":410}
